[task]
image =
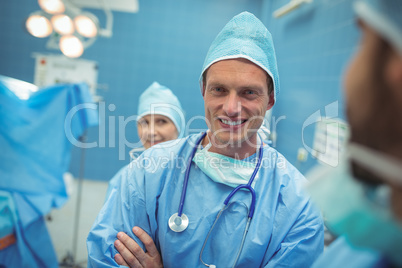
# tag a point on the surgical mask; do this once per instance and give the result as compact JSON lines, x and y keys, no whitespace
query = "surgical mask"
{"x":360,"y":212}
{"x":224,"y":169}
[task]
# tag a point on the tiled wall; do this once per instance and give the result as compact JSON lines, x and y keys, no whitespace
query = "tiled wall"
{"x":313,"y":45}
{"x":165,"y":42}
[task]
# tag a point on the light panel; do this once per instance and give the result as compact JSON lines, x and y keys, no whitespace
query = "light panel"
{"x":52,"y":6}
{"x":63,"y":24}
{"x":71,"y":46}
{"x":38,"y":26}
{"x":86,"y":26}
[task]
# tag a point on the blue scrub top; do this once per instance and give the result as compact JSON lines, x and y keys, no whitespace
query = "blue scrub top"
{"x":341,"y":254}
{"x":286,"y":230}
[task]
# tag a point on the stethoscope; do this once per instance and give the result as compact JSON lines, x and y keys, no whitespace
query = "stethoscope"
{"x":178,"y":222}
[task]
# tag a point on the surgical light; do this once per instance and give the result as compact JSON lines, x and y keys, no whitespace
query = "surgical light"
{"x":38,"y":25}
{"x":87,"y":25}
{"x":52,"y":6}
{"x":62,"y":24}
{"x":74,"y":29}
{"x":71,"y":46}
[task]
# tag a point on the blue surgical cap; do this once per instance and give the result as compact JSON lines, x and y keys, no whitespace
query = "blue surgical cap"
{"x":385,"y":17}
{"x":158,"y":99}
{"x":244,"y":36}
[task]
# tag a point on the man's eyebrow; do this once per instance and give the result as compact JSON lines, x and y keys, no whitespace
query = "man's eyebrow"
{"x":215,"y":84}
{"x":250,"y":86}
{"x":253,"y":87}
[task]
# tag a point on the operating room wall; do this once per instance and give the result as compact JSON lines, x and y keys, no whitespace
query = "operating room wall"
{"x":313,"y":44}
{"x":166,"y":41}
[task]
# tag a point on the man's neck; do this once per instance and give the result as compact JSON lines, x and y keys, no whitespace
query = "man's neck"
{"x":240,"y":150}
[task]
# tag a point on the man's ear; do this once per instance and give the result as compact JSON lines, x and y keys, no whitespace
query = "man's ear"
{"x":271,"y":101}
{"x":204,"y":82}
{"x":393,"y":73}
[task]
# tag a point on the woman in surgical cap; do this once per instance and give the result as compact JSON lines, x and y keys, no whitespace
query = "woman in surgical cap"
{"x":160,"y":119}
{"x":160,"y":116}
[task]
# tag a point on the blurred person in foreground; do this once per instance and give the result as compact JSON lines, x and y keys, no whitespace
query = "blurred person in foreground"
{"x":362,"y":198}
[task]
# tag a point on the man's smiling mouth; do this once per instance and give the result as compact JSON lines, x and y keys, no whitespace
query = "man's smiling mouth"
{"x":232,"y":123}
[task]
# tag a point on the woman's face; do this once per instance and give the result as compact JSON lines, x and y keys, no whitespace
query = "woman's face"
{"x":154,"y":129}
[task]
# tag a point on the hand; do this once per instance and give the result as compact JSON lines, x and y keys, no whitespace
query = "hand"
{"x":132,"y":255}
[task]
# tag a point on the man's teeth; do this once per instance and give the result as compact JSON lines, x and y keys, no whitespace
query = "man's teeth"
{"x":232,"y":123}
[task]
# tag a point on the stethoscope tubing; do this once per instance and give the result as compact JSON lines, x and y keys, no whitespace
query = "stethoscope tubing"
{"x":226,"y":202}
{"x":248,"y":186}
{"x":184,"y":190}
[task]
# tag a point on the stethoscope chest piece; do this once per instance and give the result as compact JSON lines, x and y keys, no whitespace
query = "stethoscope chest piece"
{"x":178,"y":224}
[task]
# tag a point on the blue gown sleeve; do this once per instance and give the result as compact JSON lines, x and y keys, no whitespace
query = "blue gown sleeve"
{"x":341,"y":254}
{"x":304,"y":243}
{"x":123,"y":209}
{"x":115,"y":182}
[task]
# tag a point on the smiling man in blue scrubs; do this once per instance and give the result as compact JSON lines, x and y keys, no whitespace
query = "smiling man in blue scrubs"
{"x":239,"y":83}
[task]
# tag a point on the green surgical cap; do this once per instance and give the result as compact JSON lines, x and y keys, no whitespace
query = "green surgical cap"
{"x":244,"y":36}
{"x":385,"y":17}
{"x":158,"y":99}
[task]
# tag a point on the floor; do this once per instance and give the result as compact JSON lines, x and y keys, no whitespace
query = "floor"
{"x":61,"y":222}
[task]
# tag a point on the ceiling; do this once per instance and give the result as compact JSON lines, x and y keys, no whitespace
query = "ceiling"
{"x":130,"y":6}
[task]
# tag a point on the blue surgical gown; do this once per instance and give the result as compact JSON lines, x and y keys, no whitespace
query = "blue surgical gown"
{"x":35,"y":142}
{"x":341,"y":254}
{"x":286,"y":230}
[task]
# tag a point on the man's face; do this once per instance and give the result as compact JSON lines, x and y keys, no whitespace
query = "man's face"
{"x":236,"y":99}
{"x":361,"y":82}
{"x":363,"y":90}
{"x":373,"y":108}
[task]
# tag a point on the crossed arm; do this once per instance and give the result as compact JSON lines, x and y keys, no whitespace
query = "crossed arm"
{"x":132,"y":255}
{"x":296,"y":248}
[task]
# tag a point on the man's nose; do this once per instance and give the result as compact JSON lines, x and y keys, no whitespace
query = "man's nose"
{"x":232,"y":105}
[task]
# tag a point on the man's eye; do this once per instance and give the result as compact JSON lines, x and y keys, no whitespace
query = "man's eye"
{"x":218,"y":89}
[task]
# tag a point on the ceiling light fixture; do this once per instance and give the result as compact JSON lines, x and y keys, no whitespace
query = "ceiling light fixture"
{"x":71,"y":46}
{"x":87,"y":24}
{"x":73,"y":29}
{"x":52,"y":6}
{"x":39,"y":25}
{"x":62,"y":24}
